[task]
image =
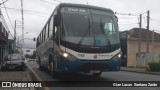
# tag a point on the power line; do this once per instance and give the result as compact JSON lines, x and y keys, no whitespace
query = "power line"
{"x":127,"y":23}
{"x":48,"y":2}
{"x":8,"y":18}
{"x":34,"y":14}
{"x":128,"y":14}
{"x":26,"y":10}
{"x":5,"y":24}
{"x":29,"y":12}
{"x":155,"y":19}
{"x":58,"y":1}
{"x":3,"y":2}
{"x":8,"y":15}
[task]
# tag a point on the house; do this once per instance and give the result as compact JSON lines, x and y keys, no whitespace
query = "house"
{"x":3,"y":42}
{"x":134,"y":57}
{"x":10,"y":46}
{"x":28,"y":51}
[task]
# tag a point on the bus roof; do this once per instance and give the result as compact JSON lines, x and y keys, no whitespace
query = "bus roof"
{"x":84,"y":6}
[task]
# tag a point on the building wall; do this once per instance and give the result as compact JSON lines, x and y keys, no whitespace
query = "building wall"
{"x":132,"y":50}
{"x":28,"y":51}
{"x":3,"y":38}
{"x":3,"y":53}
{"x":10,"y":46}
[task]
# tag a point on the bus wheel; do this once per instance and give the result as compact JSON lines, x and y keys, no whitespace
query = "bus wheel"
{"x":52,"y":69}
{"x":97,"y":74}
{"x":41,"y":68}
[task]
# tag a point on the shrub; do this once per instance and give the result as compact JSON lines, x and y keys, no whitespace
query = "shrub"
{"x":154,"y":66}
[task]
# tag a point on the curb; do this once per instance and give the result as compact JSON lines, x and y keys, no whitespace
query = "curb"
{"x":36,"y":77}
{"x":152,"y":73}
{"x":30,"y":78}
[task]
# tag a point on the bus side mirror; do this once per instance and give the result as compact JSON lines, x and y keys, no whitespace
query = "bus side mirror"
{"x":34,"y":39}
{"x":56,"y":20}
{"x":116,"y":18}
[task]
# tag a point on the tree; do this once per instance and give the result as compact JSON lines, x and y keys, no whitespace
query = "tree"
{"x":27,"y":56}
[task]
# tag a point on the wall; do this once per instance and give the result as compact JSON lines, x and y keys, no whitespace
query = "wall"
{"x":144,"y":58}
{"x":132,"y":51}
{"x":29,"y":53}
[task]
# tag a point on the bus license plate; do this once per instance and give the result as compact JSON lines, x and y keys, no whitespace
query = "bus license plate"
{"x":95,"y":71}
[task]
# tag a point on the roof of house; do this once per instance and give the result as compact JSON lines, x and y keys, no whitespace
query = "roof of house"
{"x":134,"y":34}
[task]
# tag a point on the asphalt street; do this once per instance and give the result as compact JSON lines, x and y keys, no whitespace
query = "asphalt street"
{"x":106,"y":76}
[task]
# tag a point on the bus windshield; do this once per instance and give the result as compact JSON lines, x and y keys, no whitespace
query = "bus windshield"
{"x":89,"y":27}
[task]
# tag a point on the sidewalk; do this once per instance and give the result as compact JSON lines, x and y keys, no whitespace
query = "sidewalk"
{"x":139,"y":70}
{"x":15,"y":76}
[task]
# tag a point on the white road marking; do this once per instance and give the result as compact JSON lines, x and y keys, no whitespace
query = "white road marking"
{"x":38,"y":78}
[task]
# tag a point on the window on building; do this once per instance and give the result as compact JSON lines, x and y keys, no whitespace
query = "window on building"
{"x":27,"y":50}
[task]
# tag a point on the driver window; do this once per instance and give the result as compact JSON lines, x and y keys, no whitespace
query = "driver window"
{"x":109,"y":28}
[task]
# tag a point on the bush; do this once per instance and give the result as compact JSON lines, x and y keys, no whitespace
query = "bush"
{"x":154,"y":66}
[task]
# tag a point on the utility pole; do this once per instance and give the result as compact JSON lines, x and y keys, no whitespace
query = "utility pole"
{"x":15,"y":37}
{"x":148,"y":19}
{"x":22,"y":22}
{"x":139,"y":40}
{"x":140,"y":26}
{"x":152,"y":45}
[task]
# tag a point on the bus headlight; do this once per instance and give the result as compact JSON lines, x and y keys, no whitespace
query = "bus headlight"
{"x":117,"y":57}
{"x":69,"y":56}
{"x":65,"y":55}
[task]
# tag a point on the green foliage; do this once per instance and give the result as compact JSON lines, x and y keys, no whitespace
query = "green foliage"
{"x":154,"y":66}
{"x":33,"y":56}
{"x":27,"y":56}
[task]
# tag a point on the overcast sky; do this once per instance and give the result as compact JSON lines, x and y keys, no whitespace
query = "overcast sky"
{"x":36,"y":13}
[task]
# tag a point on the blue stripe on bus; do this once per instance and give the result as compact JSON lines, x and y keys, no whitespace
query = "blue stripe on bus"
{"x":87,"y":65}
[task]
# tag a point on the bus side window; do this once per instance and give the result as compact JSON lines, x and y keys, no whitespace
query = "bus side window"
{"x":51,"y":27}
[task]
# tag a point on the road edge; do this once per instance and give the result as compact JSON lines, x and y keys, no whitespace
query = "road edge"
{"x":37,"y":78}
{"x":145,"y":72}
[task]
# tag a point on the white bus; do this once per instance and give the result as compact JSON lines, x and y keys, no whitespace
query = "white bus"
{"x":80,"y":38}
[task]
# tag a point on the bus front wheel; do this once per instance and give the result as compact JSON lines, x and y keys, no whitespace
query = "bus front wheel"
{"x":52,"y":69}
{"x":41,"y":68}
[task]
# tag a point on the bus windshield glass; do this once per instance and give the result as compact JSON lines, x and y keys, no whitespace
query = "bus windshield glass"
{"x":89,"y":27}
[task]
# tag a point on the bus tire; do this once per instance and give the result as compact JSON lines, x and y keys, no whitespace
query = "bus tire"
{"x":52,"y":67}
{"x":96,"y":74}
{"x":41,"y":68}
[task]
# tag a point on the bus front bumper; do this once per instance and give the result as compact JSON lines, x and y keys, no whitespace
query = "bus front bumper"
{"x":88,"y":65}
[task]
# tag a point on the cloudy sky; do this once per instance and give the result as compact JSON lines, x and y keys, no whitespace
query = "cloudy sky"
{"x":36,"y":13}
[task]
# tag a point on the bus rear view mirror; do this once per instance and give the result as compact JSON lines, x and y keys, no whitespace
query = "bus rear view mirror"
{"x":116,"y":18}
{"x":56,"y":20}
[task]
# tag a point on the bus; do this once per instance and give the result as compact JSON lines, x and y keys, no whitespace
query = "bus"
{"x":79,"y":38}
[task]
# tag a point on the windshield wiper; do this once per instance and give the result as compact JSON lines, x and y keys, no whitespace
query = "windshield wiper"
{"x":106,"y":35}
{"x":85,"y":33}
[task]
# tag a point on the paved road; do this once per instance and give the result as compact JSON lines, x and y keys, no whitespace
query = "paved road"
{"x":107,"y":76}
{"x":15,"y":75}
